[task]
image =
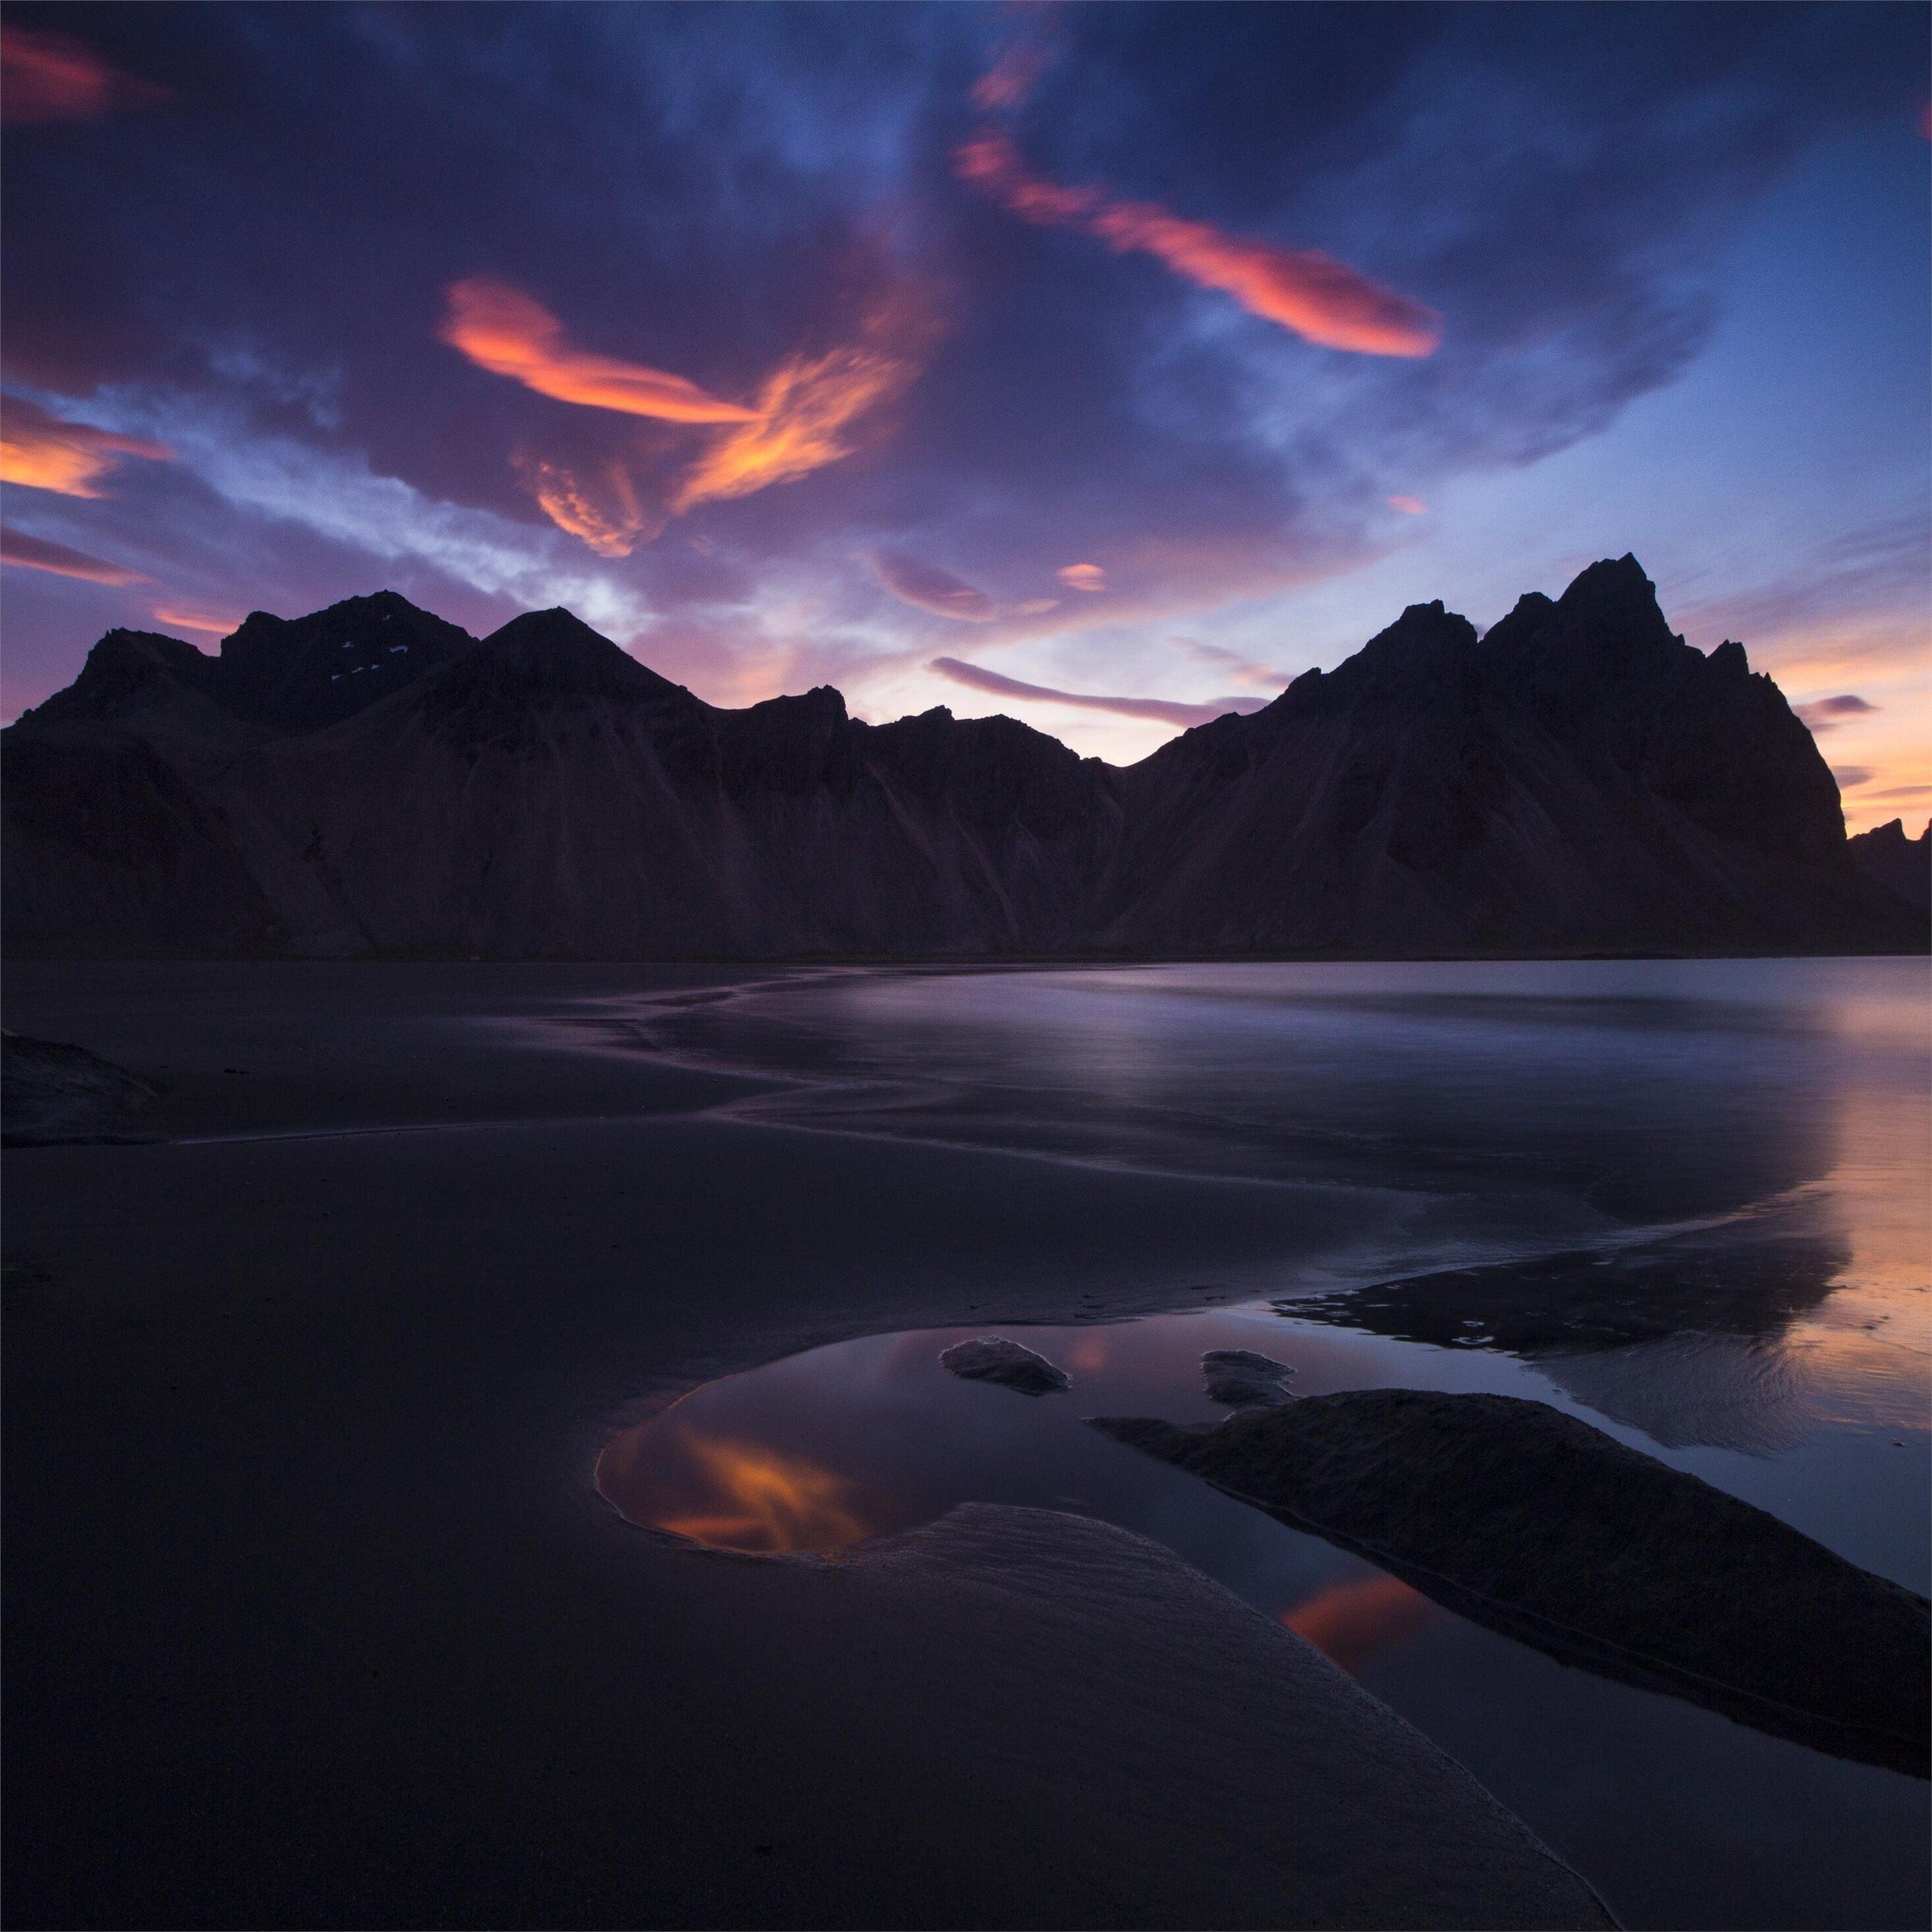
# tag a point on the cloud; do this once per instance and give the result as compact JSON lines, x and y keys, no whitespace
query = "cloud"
{"x":808,"y":408}
{"x":49,"y":76}
{"x":1161,"y":710}
{"x":607,"y":514}
{"x":510,"y":334}
{"x":804,"y":418}
{"x":1003,"y":88}
{"x":1822,"y":714}
{"x":36,"y":553}
{"x":1083,"y":577}
{"x":1243,"y":670}
{"x":40,"y":451}
{"x":1899,"y":791}
{"x":1410,"y":506}
{"x":194,"y":620}
{"x":1310,"y":295}
{"x":927,"y":587}
{"x":382,"y":519}
{"x":1850,"y":776}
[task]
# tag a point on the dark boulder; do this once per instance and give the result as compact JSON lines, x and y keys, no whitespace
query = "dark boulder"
{"x":52,"y":1094}
{"x":1522,"y":1518}
{"x":992,"y":1358}
{"x":1243,"y":1379}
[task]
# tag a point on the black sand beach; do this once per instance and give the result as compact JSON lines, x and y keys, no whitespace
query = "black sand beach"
{"x":316,"y":1617}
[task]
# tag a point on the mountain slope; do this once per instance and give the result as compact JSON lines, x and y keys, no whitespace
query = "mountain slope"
{"x":1579,"y":778}
{"x":370,"y":779}
{"x":1902,"y":865}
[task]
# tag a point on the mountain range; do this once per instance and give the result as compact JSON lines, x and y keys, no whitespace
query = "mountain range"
{"x":372,"y":780}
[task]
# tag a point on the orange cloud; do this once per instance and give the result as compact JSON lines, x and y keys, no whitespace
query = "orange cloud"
{"x":1311,"y":295}
{"x":511,"y":334}
{"x":802,"y":420}
{"x":194,"y":620}
{"x":607,"y":515}
{"x":46,"y":77}
{"x":806,"y":412}
{"x":36,"y":553}
{"x":1351,"y":1623}
{"x":1410,"y":506}
{"x":40,"y":452}
{"x":1161,"y":710}
{"x":1083,"y":577}
{"x":763,"y":1500}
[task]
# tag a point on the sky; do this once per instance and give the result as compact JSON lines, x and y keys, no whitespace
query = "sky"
{"x":1105,"y":365}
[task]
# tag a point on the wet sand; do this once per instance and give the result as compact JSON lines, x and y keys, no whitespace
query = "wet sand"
{"x":315,"y":1616}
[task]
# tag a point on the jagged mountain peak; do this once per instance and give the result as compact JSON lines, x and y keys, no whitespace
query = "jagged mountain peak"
{"x":1614,"y":605}
{"x":302,"y":673}
{"x":1580,"y":779}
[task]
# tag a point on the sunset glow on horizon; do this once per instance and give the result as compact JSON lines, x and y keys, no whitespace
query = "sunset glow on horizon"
{"x":1085,"y":364}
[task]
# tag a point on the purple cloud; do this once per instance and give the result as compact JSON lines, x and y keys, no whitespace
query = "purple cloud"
{"x":1163,"y":710}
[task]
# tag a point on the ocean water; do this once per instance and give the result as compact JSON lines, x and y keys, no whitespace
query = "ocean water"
{"x":1686,"y":1201}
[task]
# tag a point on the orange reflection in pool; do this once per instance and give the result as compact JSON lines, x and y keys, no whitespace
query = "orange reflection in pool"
{"x":753,"y":1498}
{"x":1351,"y":1623}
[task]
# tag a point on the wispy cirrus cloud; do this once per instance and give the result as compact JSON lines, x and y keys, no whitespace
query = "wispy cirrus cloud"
{"x":51,"y":77}
{"x":806,"y":415}
{"x":604,"y":510}
{"x":40,"y":451}
{"x":1161,"y":710}
{"x":38,"y":553}
{"x":811,"y":405}
{"x":1311,"y":295}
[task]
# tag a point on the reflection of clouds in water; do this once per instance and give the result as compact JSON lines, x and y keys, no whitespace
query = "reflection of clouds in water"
{"x":1090,"y":1352}
{"x":1351,"y":1623}
{"x":731,"y":1495}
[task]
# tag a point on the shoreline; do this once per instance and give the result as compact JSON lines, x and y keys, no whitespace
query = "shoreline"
{"x":328,"y":1409}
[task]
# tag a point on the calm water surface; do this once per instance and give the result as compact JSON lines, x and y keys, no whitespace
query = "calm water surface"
{"x":1686,"y":1201}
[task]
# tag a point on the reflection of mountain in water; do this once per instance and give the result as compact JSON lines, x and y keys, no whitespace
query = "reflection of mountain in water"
{"x":1681,"y":1338}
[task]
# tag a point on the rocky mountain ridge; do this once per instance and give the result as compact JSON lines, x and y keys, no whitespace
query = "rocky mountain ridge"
{"x":370,"y":779}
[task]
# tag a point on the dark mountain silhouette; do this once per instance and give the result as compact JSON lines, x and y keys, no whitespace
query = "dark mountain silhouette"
{"x":372,"y":779}
{"x":1905,"y":865}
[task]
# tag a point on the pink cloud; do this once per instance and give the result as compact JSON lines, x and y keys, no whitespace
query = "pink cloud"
{"x":36,"y":553}
{"x":1824,"y":714}
{"x":1083,"y":577}
{"x":1311,"y":295}
{"x":49,"y":77}
{"x":1163,"y":710}
{"x":927,"y":587}
{"x":1410,"y":506}
{"x":195,"y":620}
